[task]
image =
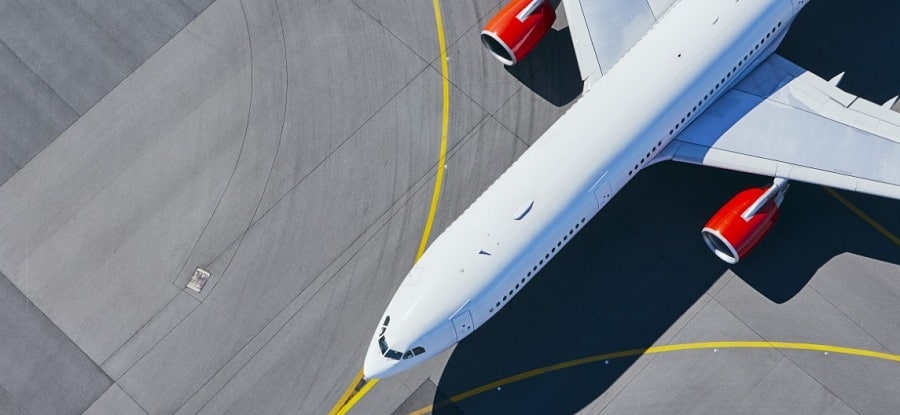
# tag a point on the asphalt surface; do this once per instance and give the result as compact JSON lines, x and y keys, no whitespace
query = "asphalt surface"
{"x":289,"y":147}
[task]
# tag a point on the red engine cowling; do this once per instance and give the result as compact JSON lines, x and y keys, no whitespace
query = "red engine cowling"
{"x":517,"y":28}
{"x":729,"y":235}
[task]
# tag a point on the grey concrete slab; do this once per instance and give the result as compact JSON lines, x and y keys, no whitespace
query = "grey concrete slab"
{"x":33,"y":114}
{"x":41,"y":370}
{"x":93,"y":61}
{"x":263,"y":135}
{"x":8,"y":404}
{"x":374,"y":168}
{"x":697,"y":382}
{"x":413,"y":22}
{"x":807,"y":317}
{"x":58,"y":57}
{"x":139,"y":27}
{"x":789,"y":390}
{"x":149,"y":334}
{"x":342,"y":68}
{"x":868,"y":386}
{"x":106,"y":214}
{"x":867,"y":292}
{"x":83,"y":48}
{"x":115,"y":402}
{"x":284,"y":366}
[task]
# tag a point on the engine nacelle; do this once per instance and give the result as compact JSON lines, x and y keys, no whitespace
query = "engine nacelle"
{"x":517,"y":28}
{"x":739,"y":225}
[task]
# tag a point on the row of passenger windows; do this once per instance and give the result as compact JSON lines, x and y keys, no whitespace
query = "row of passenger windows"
{"x":553,"y":249}
{"x":712,"y":92}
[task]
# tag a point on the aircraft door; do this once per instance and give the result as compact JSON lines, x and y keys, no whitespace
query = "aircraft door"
{"x":602,"y":192}
{"x":463,"y":325}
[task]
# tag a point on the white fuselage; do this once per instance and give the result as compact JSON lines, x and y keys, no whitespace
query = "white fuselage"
{"x":693,"y":54}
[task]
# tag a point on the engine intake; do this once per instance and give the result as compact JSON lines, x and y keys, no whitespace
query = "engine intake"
{"x":739,"y":225}
{"x":516,"y":29}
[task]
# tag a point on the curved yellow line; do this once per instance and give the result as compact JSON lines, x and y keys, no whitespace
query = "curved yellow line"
{"x":445,"y":127}
{"x":662,"y":349}
{"x":359,"y":387}
{"x":345,"y":397}
{"x":862,"y":215}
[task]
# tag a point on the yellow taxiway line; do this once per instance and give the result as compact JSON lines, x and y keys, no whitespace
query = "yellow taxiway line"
{"x":359,"y":386}
{"x":863,"y":215}
{"x":824,"y":348}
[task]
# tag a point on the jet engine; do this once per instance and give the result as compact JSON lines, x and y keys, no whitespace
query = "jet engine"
{"x":739,"y":225}
{"x":517,"y":28}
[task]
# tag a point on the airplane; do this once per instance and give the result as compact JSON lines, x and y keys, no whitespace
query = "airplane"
{"x":694,"y":81}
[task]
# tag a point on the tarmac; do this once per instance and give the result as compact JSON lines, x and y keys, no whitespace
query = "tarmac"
{"x":290,"y":149}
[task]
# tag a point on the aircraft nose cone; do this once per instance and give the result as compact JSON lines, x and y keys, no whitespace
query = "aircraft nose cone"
{"x":377,"y":366}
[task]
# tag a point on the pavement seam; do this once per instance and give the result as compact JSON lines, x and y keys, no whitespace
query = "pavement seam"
{"x":15,"y":401}
{"x":50,"y":87}
{"x":55,"y":326}
{"x":138,"y":331}
{"x":126,"y":51}
{"x":129,"y":397}
{"x":518,"y":138}
{"x":369,"y":15}
{"x":884,"y":348}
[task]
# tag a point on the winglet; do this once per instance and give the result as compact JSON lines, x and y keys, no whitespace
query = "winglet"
{"x":890,"y":103}
{"x":837,"y":79}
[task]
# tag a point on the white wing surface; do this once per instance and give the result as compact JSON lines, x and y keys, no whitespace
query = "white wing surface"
{"x":787,"y":122}
{"x":602,"y":31}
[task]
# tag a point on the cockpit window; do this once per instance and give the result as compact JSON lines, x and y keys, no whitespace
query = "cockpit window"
{"x":389,"y":353}
{"x":382,"y":344}
{"x":396,"y":355}
{"x":393,"y":354}
{"x":386,"y":351}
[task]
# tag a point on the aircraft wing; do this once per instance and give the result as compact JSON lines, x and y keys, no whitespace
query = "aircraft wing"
{"x":787,"y":122}
{"x":602,"y":31}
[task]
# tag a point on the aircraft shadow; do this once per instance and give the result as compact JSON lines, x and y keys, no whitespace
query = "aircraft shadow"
{"x":551,"y":70}
{"x":833,"y":36}
{"x":607,"y":293}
